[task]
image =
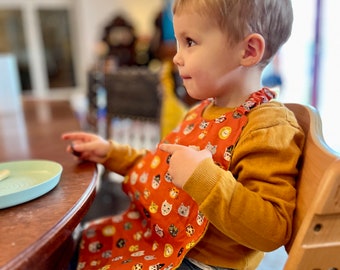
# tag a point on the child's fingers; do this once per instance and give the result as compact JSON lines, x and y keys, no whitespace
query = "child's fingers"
{"x":83,"y":136}
{"x":172,"y":148}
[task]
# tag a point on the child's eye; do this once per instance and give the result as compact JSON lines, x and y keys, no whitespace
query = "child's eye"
{"x":190,"y":42}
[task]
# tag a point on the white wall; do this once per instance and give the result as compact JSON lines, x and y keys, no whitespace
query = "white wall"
{"x":296,"y":61}
{"x":329,"y":84}
{"x":295,"y":56}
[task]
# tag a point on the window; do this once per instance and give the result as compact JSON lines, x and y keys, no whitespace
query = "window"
{"x":39,"y":34}
{"x":55,"y":31}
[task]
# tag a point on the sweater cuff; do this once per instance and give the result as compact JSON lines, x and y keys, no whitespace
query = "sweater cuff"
{"x":111,"y":149}
{"x":201,"y":177}
{"x":205,"y":178}
{"x":121,"y":157}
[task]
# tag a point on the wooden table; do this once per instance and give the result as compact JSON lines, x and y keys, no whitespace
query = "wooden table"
{"x":37,"y":234}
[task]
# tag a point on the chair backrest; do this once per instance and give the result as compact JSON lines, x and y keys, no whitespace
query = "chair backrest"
{"x":133,"y":92}
{"x":315,"y":243}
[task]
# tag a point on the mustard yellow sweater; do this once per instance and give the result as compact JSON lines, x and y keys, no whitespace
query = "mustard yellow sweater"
{"x":250,"y":207}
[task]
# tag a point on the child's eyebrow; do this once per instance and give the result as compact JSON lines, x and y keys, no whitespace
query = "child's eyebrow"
{"x":184,"y":34}
{"x":180,"y":34}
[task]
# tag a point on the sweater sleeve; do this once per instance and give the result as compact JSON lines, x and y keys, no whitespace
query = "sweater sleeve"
{"x":122,"y":157}
{"x":253,"y":202}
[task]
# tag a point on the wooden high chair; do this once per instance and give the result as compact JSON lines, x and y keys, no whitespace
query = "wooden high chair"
{"x":315,"y":244}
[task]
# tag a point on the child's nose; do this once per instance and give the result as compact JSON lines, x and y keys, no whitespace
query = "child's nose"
{"x":177,"y":59}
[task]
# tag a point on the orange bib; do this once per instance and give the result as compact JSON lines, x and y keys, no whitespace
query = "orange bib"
{"x":163,"y":222}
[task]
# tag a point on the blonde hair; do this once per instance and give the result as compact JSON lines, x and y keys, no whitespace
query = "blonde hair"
{"x":272,"y":19}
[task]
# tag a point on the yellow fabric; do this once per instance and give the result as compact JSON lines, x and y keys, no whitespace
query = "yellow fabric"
{"x":250,"y":207}
{"x":173,"y":110}
{"x":121,"y":157}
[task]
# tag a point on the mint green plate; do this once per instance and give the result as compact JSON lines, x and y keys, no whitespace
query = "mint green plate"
{"x":28,"y":179}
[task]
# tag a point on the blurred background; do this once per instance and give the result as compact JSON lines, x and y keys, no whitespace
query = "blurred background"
{"x":103,"y":55}
{"x":57,"y":43}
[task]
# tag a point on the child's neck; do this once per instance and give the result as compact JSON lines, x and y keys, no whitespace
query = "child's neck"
{"x":247,"y":82}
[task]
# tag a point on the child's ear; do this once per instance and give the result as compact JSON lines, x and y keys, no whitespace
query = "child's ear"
{"x":254,"y":47}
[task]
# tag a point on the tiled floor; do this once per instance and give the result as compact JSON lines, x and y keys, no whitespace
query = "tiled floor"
{"x":111,"y":200}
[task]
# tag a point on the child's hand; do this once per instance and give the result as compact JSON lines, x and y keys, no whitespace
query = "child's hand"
{"x":183,"y":162}
{"x":87,"y":146}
